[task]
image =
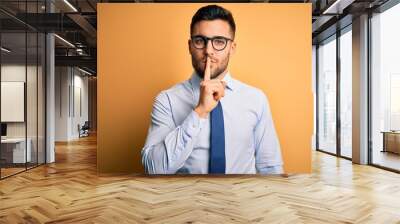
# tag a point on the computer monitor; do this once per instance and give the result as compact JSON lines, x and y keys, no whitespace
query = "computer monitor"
{"x":3,"y":129}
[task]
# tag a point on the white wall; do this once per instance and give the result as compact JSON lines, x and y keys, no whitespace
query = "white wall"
{"x":62,"y":78}
{"x":16,"y":73}
{"x":71,"y":87}
{"x":80,"y":85}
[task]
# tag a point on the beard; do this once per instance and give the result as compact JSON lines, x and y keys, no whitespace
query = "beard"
{"x":215,"y":72}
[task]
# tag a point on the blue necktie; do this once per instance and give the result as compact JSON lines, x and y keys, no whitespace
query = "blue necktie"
{"x":217,"y":143}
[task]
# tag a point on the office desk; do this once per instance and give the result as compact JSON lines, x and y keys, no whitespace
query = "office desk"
{"x":391,"y":141}
{"x":13,"y":150}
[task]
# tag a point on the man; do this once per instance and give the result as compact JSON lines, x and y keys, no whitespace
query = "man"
{"x":212,"y":123}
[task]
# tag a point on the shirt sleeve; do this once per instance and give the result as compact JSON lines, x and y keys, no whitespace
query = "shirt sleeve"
{"x":168,"y":145}
{"x":268,"y":152}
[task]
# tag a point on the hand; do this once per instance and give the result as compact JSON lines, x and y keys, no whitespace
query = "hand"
{"x":211,"y":91}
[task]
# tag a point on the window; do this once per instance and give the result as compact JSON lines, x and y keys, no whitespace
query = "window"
{"x":346,"y":93}
{"x":385,"y":88}
{"x":327,"y":95}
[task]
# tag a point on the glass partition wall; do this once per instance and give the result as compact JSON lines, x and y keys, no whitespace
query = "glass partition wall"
{"x":22,"y":88}
{"x":334,"y":90}
{"x":334,"y":93}
{"x":327,"y":95}
{"x":385,"y":89}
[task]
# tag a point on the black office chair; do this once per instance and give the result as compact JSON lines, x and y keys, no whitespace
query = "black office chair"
{"x":84,"y":130}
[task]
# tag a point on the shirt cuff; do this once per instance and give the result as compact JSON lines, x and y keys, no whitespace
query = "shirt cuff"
{"x":271,"y":170}
{"x":193,"y":124}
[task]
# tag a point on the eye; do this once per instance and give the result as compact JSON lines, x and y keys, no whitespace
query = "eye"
{"x":198,"y":41}
{"x":219,"y":41}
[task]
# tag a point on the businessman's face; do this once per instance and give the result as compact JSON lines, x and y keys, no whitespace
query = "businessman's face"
{"x":219,"y":58}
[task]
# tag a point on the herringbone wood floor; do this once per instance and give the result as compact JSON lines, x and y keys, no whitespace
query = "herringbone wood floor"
{"x":70,"y":191}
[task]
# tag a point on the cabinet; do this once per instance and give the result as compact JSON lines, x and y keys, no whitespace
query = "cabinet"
{"x":391,"y":141}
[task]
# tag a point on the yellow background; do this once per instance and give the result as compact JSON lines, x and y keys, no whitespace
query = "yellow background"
{"x":142,"y":49}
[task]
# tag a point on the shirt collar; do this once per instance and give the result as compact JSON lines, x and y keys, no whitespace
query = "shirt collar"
{"x":230,"y":82}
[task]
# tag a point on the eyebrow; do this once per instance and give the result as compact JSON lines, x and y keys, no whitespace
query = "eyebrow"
{"x":211,"y":37}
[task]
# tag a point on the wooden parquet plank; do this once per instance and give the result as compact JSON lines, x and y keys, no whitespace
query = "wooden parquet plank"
{"x":71,"y":191}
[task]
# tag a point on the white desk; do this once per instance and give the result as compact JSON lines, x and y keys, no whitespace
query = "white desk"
{"x":18,"y":149}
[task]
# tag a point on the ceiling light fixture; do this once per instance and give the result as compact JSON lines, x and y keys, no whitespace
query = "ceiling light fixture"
{"x":70,"y":5}
{"x":64,"y":40}
{"x":337,"y":7}
{"x":84,"y":71}
{"x":5,"y":50}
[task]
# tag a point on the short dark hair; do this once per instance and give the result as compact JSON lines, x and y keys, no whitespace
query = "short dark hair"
{"x":213,"y":12}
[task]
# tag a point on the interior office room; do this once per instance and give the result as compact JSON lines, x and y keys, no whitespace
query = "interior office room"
{"x":76,"y":104}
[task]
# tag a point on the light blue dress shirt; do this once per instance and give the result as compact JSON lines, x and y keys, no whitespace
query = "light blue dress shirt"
{"x":178,"y":140}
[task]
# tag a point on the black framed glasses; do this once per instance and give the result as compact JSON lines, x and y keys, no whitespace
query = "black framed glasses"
{"x":218,"y":42}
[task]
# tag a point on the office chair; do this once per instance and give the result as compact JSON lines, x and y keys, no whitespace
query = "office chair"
{"x":84,"y":130}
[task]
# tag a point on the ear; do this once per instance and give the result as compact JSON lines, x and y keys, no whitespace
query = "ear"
{"x":233,"y":48}
{"x":189,"y":48}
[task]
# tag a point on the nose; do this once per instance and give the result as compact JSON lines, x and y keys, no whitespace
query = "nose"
{"x":209,"y":48}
